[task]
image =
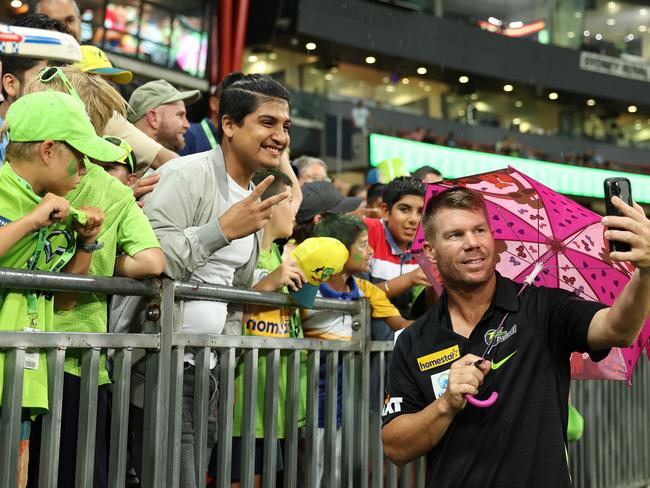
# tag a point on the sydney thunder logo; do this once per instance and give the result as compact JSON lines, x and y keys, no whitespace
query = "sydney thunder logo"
{"x":56,"y":244}
{"x":501,"y":336}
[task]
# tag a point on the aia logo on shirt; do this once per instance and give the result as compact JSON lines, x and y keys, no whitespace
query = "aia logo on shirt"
{"x":392,"y":405}
{"x":440,"y":381}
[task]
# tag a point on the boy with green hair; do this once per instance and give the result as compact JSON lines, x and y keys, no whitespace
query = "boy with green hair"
{"x":50,"y":136}
{"x":324,"y":324}
{"x":271,"y":274}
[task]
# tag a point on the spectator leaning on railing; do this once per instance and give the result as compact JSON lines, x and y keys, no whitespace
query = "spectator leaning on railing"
{"x":272,"y":274}
{"x":125,"y":227}
{"x":50,"y":137}
{"x":206,"y":214}
{"x":130,"y":249}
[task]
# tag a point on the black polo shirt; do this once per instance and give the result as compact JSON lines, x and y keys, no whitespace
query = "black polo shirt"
{"x":520,"y":440}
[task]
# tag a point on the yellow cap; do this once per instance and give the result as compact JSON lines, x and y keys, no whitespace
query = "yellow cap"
{"x":319,"y":258}
{"x":95,"y":61}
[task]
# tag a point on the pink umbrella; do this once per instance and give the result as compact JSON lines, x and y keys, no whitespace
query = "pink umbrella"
{"x":534,"y":226}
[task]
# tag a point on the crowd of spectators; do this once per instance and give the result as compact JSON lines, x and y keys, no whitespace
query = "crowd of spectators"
{"x":100,"y":181}
{"x":135,"y":190}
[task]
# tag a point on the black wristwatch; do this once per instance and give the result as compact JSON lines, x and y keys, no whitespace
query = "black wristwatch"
{"x":90,"y":248}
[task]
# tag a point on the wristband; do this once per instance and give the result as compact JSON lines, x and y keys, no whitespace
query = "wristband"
{"x":90,"y":248}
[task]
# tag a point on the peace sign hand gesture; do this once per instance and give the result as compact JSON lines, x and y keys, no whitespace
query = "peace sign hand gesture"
{"x":250,"y":214}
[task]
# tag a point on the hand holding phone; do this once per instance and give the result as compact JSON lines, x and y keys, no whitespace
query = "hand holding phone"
{"x":621,"y":188}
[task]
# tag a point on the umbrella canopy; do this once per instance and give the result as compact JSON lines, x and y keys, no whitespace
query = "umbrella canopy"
{"x":533,"y":224}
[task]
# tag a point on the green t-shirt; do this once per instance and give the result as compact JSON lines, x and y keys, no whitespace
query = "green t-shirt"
{"x":270,"y":323}
{"x":57,"y":247}
{"x":125,"y":226}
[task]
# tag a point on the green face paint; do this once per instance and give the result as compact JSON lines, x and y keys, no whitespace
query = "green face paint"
{"x":72,"y":168}
{"x":358,"y":258}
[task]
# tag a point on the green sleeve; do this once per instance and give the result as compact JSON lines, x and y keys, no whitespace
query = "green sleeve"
{"x":135,"y":233}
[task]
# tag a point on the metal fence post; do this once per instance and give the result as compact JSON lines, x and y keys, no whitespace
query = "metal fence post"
{"x":271,"y":418}
{"x":51,"y":434}
{"x":156,"y":405}
{"x":362,"y":418}
{"x":226,"y":395}
{"x":10,"y":415}
{"x":120,"y":417}
{"x":175,"y":416}
{"x":87,"y":431}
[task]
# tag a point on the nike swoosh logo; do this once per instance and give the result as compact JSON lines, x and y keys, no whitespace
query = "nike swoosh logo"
{"x":500,"y":363}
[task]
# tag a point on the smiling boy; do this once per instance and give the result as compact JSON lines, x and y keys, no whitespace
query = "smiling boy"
{"x":393,"y":267}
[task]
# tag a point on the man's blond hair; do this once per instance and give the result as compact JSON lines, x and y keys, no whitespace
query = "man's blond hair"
{"x":99,"y":97}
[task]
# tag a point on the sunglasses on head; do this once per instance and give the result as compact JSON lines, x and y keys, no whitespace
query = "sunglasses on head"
{"x":48,"y":73}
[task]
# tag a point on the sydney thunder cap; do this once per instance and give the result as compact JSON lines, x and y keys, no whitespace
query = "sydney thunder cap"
{"x":57,"y":116}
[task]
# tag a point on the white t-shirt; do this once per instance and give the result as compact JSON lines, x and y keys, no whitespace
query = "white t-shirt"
{"x":207,"y":317}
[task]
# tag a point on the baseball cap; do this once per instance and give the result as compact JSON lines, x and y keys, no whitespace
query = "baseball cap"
{"x":157,"y":93}
{"x":128,"y":158}
{"x":95,"y":61}
{"x":57,"y":116}
{"x":323,"y":197}
{"x":319,"y":258}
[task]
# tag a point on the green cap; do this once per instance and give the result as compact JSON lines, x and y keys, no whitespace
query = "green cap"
{"x":57,"y":116}
{"x":157,"y":93}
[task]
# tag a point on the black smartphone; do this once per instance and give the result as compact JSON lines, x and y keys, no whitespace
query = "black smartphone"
{"x":621,"y":188}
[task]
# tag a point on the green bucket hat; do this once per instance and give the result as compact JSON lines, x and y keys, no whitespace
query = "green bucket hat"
{"x":57,"y":116}
{"x":157,"y":93}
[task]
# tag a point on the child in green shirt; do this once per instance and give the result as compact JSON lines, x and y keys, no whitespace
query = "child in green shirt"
{"x":272,"y":274}
{"x":50,"y":136}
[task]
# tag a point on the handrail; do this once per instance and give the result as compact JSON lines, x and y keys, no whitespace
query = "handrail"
{"x":43,"y":280}
{"x":80,"y":340}
{"x":248,"y":296}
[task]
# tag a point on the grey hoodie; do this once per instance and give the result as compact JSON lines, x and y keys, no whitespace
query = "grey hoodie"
{"x":184,"y":209}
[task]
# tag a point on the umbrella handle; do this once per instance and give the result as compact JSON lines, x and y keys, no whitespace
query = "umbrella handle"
{"x":488,"y":402}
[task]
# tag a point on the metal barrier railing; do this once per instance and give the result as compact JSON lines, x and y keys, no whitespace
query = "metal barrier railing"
{"x":615,"y":450}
